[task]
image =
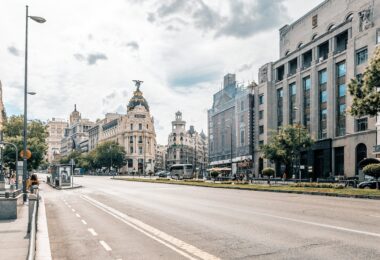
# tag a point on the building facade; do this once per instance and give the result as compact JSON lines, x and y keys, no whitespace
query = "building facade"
{"x":186,"y":146}
{"x":230,"y":126}
{"x":75,"y":134}
{"x":319,"y":54}
{"x":56,"y":130}
{"x":134,"y":131}
{"x":161,"y":157}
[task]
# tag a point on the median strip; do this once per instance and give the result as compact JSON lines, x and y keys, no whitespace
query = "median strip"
{"x":342,"y":192}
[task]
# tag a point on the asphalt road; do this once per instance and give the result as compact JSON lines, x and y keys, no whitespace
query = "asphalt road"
{"x":110,"y":219}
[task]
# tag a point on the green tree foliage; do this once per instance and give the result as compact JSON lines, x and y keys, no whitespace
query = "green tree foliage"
{"x":284,"y":146}
{"x":268,"y":172}
{"x":36,"y":142}
{"x":374,"y":171}
{"x":366,"y":98}
{"x":110,"y":154}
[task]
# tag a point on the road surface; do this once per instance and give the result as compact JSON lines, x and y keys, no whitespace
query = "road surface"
{"x":111,"y":219}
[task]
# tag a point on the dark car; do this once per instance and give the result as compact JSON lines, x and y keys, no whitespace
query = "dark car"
{"x":368,"y":184}
{"x":163,"y":174}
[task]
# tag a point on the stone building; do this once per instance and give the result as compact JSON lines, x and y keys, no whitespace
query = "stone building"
{"x":307,"y":85}
{"x":230,"y":127}
{"x":161,"y":157}
{"x":186,"y":146}
{"x":56,"y":130}
{"x":75,"y":133}
{"x":134,"y":131}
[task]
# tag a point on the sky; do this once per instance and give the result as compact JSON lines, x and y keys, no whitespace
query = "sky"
{"x":89,"y":51}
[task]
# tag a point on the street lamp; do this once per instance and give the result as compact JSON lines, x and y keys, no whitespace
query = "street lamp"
{"x":25,"y":160}
{"x":299,"y":143}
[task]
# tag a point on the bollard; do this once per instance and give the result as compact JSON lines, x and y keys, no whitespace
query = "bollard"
{"x":32,"y":202}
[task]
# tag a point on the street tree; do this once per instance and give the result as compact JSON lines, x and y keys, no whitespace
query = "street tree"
{"x":285,"y":145}
{"x":36,"y":141}
{"x":366,"y":97}
{"x":269,"y":172}
{"x":110,"y":155}
{"x":374,"y":171}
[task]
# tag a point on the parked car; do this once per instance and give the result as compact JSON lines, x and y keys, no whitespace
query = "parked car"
{"x":163,"y":174}
{"x":368,"y":184}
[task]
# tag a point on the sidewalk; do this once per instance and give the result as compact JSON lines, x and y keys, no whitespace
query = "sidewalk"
{"x":14,"y":240}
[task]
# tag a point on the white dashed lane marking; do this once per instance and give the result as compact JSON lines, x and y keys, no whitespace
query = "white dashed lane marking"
{"x":84,"y":222}
{"x":104,"y":244}
{"x":73,"y":210}
{"x":92,"y":231}
{"x":77,"y":215}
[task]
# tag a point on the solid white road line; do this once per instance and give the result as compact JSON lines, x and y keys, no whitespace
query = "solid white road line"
{"x":104,"y":244}
{"x":77,"y":215}
{"x":92,"y":231}
{"x":169,"y":241}
{"x":84,"y":222}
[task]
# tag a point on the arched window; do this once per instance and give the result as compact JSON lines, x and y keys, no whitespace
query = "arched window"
{"x":330,"y":27}
{"x":349,"y":17}
{"x":361,"y":153}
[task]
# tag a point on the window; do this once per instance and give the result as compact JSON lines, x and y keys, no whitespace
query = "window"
{"x":261,"y":114}
{"x":140,"y":126}
{"x":261,"y":129}
{"x":322,"y":77}
{"x":140,"y":140}
{"x":261,"y":99}
{"x":292,"y":102}
{"x":306,"y":101}
{"x":279,"y":107}
{"x":323,"y":96}
{"x":131,"y":127}
{"x":242,"y":105}
{"x":131,"y":149}
{"x":242,"y":137}
{"x":323,"y":51}
{"x":131,"y":139}
{"x":147,"y":126}
{"x":342,"y":90}
{"x":341,"y":42}
{"x":361,"y":124}
{"x":307,"y":59}
{"x":242,"y":119}
{"x":361,"y":56}
{"x":140,"y":150}
{"x":261,"y":143}
{"x":293,"y":67}
{"x":339,"y":161}
{"x":378,"y":36}
{"x":341,"y":98}
{"x":322,"y":88}
{"x":280,"y":73}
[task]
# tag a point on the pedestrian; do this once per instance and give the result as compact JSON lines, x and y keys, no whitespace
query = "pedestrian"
{"x":32,"y":183}
{"x":12,"y":181}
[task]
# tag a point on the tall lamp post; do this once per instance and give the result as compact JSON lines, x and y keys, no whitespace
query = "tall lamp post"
{"x":25,"y":160}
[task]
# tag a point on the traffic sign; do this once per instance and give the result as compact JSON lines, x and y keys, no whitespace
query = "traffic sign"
{"x":28,"y":154}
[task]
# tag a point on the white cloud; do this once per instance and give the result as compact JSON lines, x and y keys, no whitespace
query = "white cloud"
{"x":173,"y":50}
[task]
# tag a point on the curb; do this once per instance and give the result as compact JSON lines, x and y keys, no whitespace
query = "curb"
{"x":68,"y":188}
{"x":268,"y":190}
{"x":43,"y":251}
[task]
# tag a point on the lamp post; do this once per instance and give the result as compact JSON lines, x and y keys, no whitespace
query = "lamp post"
{"x":25,"y":160}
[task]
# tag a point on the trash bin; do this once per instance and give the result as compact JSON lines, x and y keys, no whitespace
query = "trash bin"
{"x":56,"y":182}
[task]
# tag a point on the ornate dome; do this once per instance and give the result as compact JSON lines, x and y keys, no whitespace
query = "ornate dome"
{"x":137,"y":99}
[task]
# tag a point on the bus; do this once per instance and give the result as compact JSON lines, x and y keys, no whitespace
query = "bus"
{"x":182,"y":171}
